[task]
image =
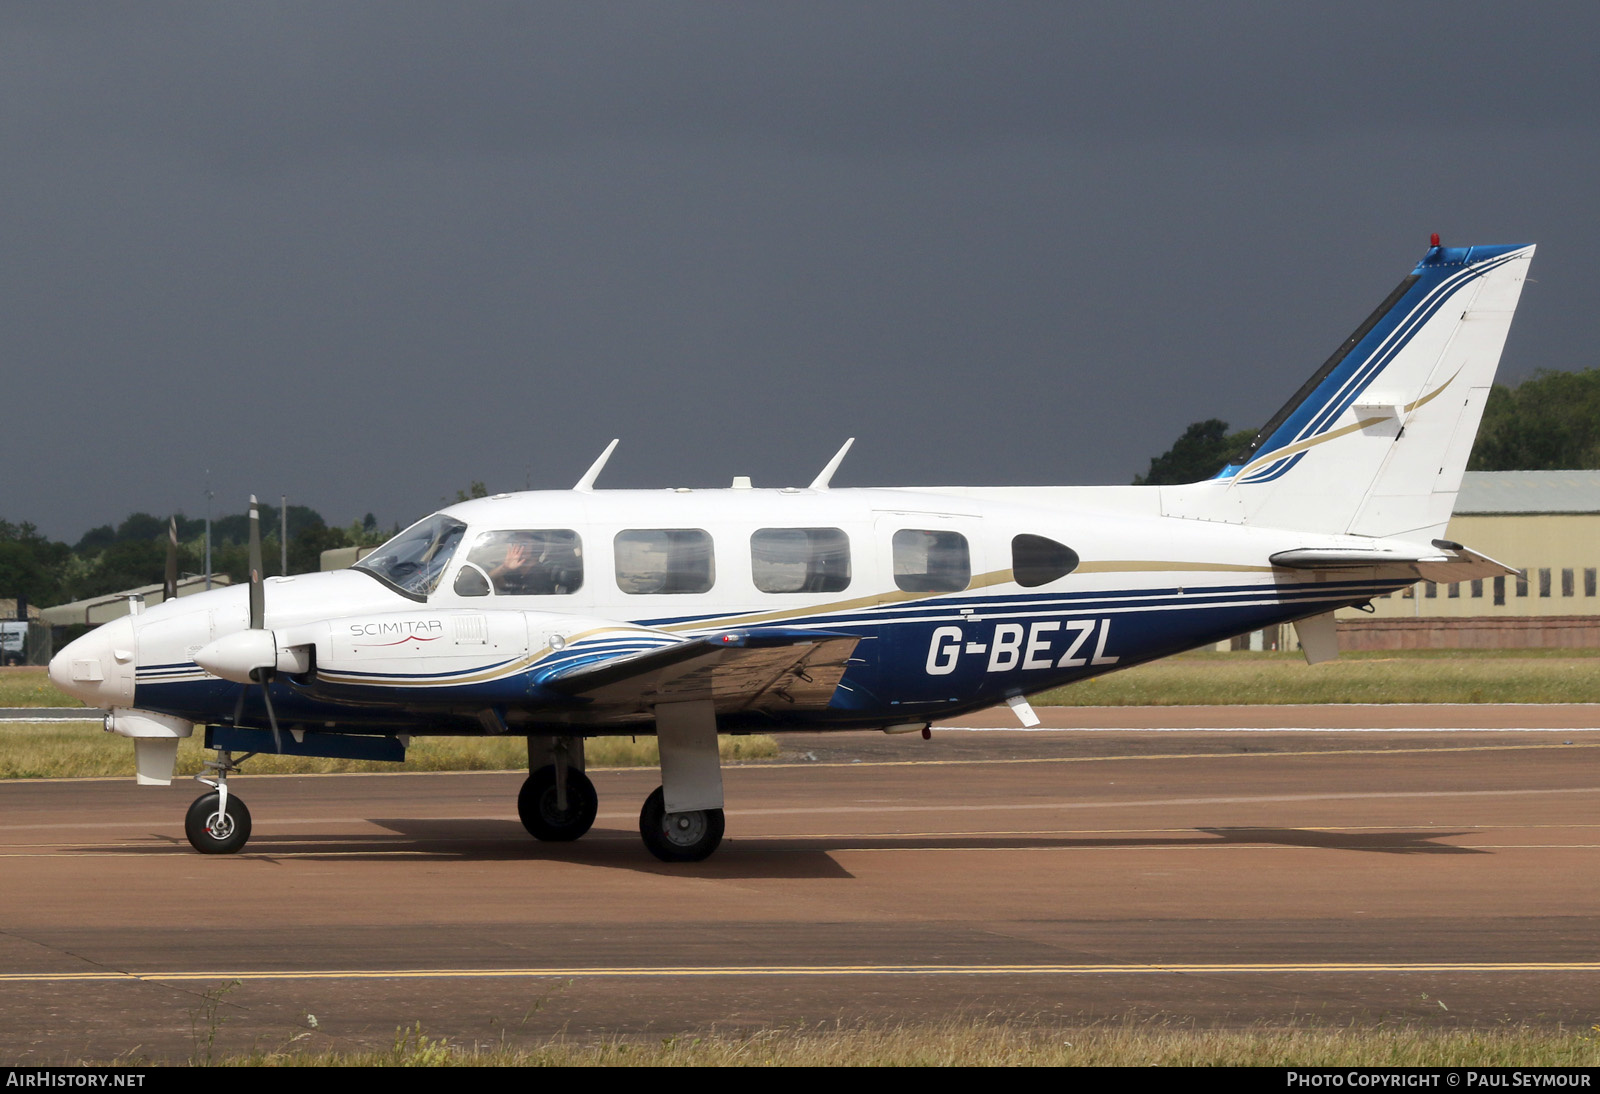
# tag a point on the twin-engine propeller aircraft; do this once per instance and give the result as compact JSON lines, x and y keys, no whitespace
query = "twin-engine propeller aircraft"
{"x":687,"y":613}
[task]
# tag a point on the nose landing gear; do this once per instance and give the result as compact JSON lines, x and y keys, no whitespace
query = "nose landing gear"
{"x":218,"y":823}
{"x":214,"y":828}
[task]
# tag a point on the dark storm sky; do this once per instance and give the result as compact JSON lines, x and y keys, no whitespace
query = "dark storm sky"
{"x":363,"y":254}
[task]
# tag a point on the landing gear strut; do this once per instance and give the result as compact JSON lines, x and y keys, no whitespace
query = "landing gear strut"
{"x":691,"y":780}
{"x":218,"y":823}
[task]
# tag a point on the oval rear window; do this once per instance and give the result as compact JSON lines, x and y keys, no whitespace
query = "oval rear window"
{"x":1037,"y":561}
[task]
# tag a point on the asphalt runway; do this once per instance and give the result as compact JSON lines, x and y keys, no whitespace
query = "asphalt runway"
{"x":1227,"y":875}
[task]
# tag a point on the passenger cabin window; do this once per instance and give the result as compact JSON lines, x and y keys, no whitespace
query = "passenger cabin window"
{"x":800,"y":560}
{"x":1037,"y":561}
{"x":931,"y":562}
{"x":664,"y":560}
{"x":523,"y":562}
{"x":413,"y":561}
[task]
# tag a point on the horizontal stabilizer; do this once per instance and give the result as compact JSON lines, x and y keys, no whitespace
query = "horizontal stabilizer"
{"x":1451,"y":562}
{"x":1462,"y":564}
{"x":1347,"y":558}
{"x":772,"y":670}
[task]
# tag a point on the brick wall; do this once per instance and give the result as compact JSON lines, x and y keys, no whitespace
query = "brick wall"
{"x":1472,"y":633}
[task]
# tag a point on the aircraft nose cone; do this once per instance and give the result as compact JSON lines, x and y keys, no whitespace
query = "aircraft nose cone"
{"x":99,"y":667}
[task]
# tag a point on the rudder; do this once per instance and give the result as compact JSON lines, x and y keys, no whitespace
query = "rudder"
{"x":1375,"y":443}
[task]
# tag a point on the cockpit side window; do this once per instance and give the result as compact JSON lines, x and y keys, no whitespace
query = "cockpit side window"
{"x":665,"y":560}
{"x":471,"y":581}
{"x":523,"y":562}
{"x":412,"y":562}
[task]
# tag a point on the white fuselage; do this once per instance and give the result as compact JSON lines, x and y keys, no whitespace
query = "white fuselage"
{"x":1141,"y":586}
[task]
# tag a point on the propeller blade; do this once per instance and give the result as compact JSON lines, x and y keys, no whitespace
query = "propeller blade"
{"x":272,"y":717}
{"x":257,"y":603}
{"x":258,"y":613}
{"x":169,"y":586}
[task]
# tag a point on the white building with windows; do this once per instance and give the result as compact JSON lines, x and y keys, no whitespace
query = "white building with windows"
{"x":1544,"y":523}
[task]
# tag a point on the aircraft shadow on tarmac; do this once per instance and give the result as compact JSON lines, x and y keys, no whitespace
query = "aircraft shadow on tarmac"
{"x":1388,"y":843}
{"x":481,"y":840}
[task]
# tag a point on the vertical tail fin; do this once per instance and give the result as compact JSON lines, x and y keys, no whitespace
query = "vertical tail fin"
{"x":1375,"y":443}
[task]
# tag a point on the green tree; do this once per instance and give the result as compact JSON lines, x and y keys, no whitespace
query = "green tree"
{"x":96,"y":540}
{"x":31,"y":565}
{"x":1550,"y":422}
{"x":305,"y":549}
{"x":125,"y":565}
{"x":141,"y":526}
{"x":22,"y":575}
{"x":1202,"y":451}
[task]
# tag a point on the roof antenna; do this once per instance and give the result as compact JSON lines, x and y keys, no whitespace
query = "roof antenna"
{"x":826,"y":474}
{"x":586,"y":484}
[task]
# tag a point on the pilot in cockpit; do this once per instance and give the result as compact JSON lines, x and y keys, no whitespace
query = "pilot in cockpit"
{"x":518,"y":571}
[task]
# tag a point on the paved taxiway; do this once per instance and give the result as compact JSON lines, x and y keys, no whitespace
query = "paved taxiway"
{"x":1056,"y":876}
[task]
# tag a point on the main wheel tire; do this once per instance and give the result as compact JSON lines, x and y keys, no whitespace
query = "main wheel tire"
{"x":536,"y":805}
{"x":210,"y":831}
{"x":679,"y":837}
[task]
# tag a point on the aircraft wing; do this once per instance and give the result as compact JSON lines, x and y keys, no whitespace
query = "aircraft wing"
{"x":773,"y":670}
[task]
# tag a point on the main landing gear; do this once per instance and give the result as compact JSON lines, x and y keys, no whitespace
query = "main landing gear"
{"x":553,"y":812}
{"x":679,"y":837}
{"x":218,"y":823}
{"x":558,"y":802}
{"x":671,"y":837}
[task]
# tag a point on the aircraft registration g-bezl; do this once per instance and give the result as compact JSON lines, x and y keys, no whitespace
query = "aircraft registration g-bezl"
{"x":562,"y":615}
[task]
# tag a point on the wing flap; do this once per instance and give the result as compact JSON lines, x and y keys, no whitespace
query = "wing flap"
{"x":757,"y":670}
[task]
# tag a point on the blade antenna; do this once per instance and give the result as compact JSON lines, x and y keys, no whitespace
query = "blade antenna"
{"x":826,"y":475}
{"x":585,"y":485}
{"x":169,"y":586}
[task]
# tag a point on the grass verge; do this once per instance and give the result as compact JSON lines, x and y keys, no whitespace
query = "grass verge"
{"x":963,"y":1043}
{"x":55,"y":750}
{"x":1387,"y":676}
{"x":30,"y":686}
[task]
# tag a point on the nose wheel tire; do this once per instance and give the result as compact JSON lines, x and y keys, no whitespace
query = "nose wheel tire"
{"x":538,"y":807}
{"x":213,"y":832}
{"x":679,"y":837}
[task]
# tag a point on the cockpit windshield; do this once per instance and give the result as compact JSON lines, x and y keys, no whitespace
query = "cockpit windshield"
{"x":413,"y":561}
